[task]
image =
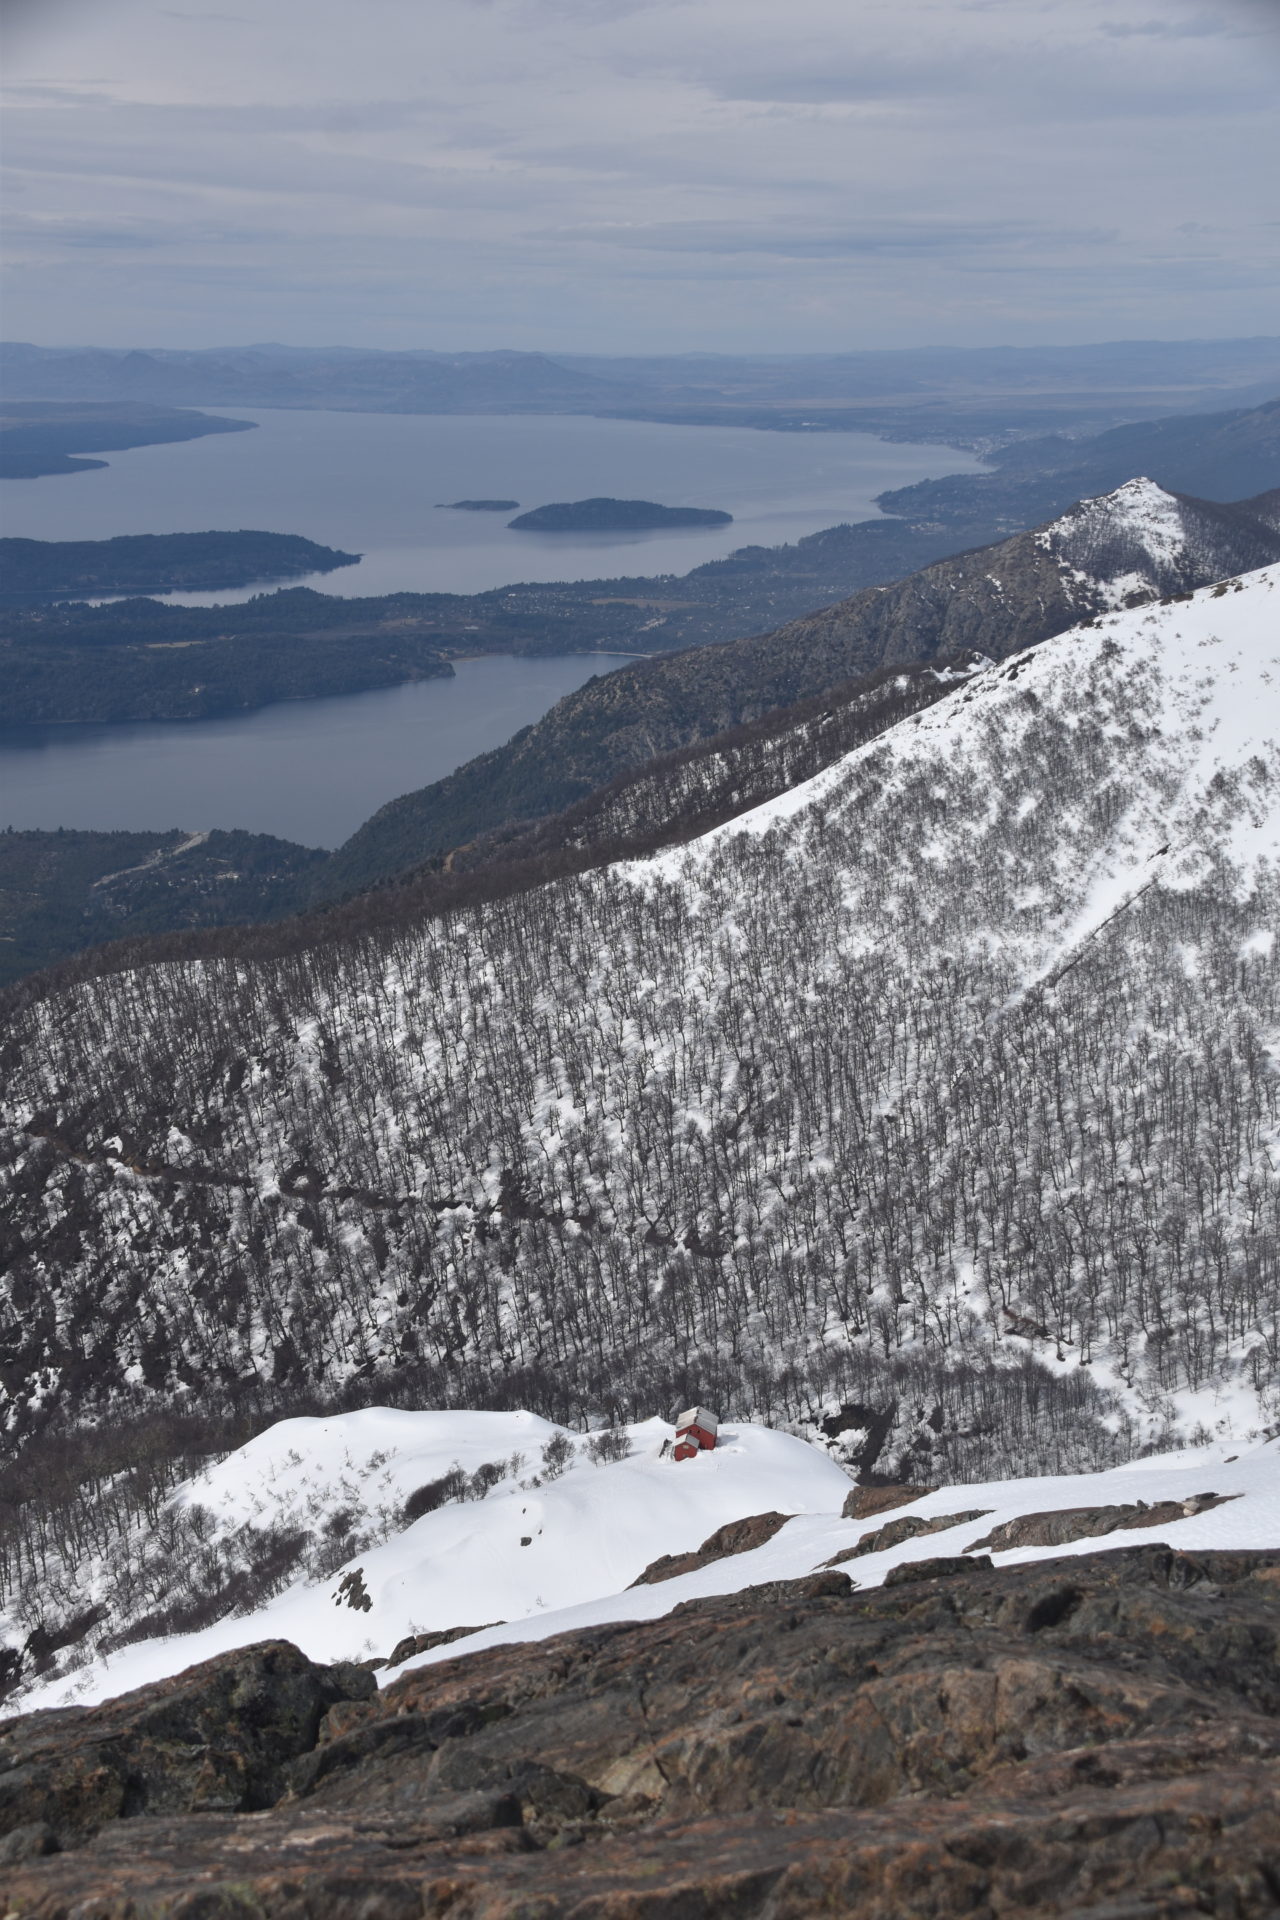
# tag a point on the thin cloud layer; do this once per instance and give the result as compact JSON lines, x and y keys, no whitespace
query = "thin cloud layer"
{"x":642,"y":175}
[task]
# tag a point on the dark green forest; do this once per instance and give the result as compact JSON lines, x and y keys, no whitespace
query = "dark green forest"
{"x":159,"y":563}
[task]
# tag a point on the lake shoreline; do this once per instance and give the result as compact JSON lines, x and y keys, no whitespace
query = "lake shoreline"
{"x":307,"y":771}
{"x":369,"y":483}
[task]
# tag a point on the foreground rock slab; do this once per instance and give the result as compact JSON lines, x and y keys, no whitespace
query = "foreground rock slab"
{"x":1097,"y":1736}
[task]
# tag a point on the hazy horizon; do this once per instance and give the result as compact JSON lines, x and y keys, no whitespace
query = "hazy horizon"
{"x":655,"y":177}
{"x":457,"y":349}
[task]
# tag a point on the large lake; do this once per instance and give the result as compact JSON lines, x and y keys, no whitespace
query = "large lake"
{"x":308,"y":770}
{"x":368,"y":483}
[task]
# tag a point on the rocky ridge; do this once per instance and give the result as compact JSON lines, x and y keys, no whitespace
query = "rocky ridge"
{"x":1093,"y":1736}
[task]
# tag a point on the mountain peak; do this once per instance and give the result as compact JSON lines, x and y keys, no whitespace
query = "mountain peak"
{"x":1141,"y":541}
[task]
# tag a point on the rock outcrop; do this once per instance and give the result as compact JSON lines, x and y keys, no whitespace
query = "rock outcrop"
{"x":218,"y":1737}
{"x":1099,"y":1735}
{"x":908,"y":1526}
{"x":1059,"y":1527}
{"x":416,"y":1643}
{"x":737,"y":1536}
{"x":865,"y":1502}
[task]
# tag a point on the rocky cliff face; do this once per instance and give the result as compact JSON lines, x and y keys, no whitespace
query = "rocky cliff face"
{"x":1091,"y":1736}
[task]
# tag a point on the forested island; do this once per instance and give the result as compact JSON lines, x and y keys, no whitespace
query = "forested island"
{"x":603,"y":515}
{"x":159,"y":563}
{"x":478,"y":506}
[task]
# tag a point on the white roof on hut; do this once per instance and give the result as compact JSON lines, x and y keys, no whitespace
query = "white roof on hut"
{"x":697,"y":1417}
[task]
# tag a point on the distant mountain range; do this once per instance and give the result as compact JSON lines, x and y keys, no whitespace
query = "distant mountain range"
{"x":288,"y":377}
{"x":1221,"y":457}
{"x":963,"y":396}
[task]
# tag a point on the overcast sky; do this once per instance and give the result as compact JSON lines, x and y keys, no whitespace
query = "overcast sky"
{"x":642,"y":175}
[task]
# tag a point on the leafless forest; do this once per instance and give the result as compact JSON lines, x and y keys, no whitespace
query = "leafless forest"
{"x":835,"y":1120}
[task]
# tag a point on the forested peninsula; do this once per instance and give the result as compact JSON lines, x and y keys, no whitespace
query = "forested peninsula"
{"x":39,"y":437}
{"x":142,"y":563}
{"x":164,"y":666}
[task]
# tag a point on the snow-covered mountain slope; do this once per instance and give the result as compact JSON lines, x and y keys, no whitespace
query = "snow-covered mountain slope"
{"x":1175,"y":711}
{"x":542,"y":1556}
{"x":557,"y":1528}
{"x":933,"y":1108}
{"x":1135,"y":543}
{"x":1249,"y":1516}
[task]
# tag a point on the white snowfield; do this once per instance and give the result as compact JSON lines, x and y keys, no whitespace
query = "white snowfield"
{"x":548,"y":1559}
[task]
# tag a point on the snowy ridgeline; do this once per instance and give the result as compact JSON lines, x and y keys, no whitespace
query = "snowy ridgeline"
{"x":962,"y":1053}
{"x":563,"y":1532}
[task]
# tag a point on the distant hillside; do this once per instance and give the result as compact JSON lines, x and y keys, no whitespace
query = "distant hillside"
{"x":1224,"y":456}
{"x":63,"y":891}
{"x":159,"y":563}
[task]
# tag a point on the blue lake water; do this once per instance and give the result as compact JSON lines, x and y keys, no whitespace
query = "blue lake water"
{"x":308,"y":770}
{"x":368,"y":483}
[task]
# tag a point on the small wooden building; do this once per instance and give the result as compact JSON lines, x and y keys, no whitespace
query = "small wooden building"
{"x":696,"y":1431}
